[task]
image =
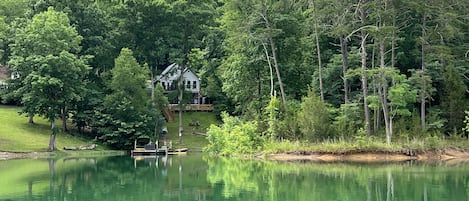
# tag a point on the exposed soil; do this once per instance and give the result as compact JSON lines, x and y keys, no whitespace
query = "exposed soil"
{"x":449,"y":155}
{"x":15,"y":155}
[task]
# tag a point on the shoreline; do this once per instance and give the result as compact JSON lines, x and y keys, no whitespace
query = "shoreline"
{"x":448,"y":154}
{"x":5,"y":155}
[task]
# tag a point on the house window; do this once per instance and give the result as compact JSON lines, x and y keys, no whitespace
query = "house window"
{"x":194,"y":84}
{"x":188,"y":85}
{"x":164,"y":85}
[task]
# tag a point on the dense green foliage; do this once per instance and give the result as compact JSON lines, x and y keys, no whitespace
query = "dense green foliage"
{"x":128,"y":113}
{"x":44,"y":55}
{"x":301,"y":70}
{"x":234,"y":137}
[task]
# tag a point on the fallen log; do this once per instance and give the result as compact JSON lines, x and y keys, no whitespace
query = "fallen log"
{"x":90,"y":147}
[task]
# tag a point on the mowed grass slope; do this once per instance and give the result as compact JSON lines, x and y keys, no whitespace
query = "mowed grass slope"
{"x":17,"y":135}
{"x":190,"y":140}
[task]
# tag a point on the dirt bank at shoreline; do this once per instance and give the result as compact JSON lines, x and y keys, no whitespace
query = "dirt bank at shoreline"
{"x":449,"y":154}
{"x":15,"y":155}
{"x":82,"y":153}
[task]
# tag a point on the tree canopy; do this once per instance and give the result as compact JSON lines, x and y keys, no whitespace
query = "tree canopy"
{"x":394,"y":67}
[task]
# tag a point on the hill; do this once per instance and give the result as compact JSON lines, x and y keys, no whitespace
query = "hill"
{"x":16,"y":135}
{"x":192,"y":137}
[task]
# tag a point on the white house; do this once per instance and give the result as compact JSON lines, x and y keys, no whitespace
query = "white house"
{"x":169,"y":80}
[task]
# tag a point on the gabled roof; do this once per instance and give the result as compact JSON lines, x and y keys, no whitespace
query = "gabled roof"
{"x":174,"y":69}
{"x":169,"y":68}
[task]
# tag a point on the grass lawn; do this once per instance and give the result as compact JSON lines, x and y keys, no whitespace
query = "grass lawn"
{"x":16,"y":135}
{"x":192,"y":141}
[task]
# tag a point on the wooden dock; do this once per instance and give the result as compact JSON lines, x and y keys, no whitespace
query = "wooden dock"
{"x":153,"y":149}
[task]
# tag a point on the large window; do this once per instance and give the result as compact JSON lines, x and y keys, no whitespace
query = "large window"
{"x":188,"y":85}
{"x":194,"y":84}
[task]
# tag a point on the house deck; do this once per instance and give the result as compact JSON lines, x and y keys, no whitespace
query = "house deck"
{"x":193,"y":107}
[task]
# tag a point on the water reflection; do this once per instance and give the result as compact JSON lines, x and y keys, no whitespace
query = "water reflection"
{"x":338,"y":181}
{"x":199,"y":178}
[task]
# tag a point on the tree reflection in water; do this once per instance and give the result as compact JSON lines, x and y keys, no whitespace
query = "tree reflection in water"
{"x":215,"y":179}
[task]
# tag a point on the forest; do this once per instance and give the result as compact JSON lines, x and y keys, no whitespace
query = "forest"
{"x":276,"y":70}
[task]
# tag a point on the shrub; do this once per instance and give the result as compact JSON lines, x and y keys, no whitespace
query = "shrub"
{"x":234,"y":137}
{"x":314,"y":119}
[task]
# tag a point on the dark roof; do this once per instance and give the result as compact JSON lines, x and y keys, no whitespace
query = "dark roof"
{"x":4,"y":72}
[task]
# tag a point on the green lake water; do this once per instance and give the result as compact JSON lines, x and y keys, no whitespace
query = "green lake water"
{"x":198,"y":177}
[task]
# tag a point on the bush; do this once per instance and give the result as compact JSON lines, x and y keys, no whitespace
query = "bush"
{"x":281,"y":120}
{"x":348,"y":120}
{"x":314,"y":118}
{"x":234,"y":137}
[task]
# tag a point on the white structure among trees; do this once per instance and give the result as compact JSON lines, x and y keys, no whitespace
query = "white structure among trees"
{"x":169,"y":80}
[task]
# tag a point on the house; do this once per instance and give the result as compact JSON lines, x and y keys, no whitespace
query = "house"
{"x":169,"y":80}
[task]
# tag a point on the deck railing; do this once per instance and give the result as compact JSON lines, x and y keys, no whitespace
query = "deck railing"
{"x":193,"y":107}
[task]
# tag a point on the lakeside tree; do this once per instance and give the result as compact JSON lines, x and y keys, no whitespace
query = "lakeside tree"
{"x":126,"y":115}
{"x":92,"y":23}
{"x":314,"y":118}
{"x":50,"y":72}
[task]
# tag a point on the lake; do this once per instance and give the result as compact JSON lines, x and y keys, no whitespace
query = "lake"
{"x":198,"y":177}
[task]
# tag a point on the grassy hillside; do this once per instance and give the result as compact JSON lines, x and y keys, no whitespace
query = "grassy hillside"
{"x":189,"y":139}
{"x":16,"y":135}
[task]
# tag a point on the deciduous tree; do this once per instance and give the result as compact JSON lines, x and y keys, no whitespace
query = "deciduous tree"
{"x":44,"y":56}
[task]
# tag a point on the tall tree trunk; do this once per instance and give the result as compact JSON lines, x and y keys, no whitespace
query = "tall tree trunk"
{"x":376,"y":90}
{"x":318,"y":50}
{"x":423,"y":92}
{"x":52,"y":146}
{"x":344,"y":53}
{"x":393,"y":40}
{"x":384,"y":93}
{"x":363,"y":71}
{"x":266,"y":52}
{"x":64,"y":119}
{"x":31,"y":118}
{"x":384,"y":83}
{"x":273,"y":50}
{"x":365,"y":85}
